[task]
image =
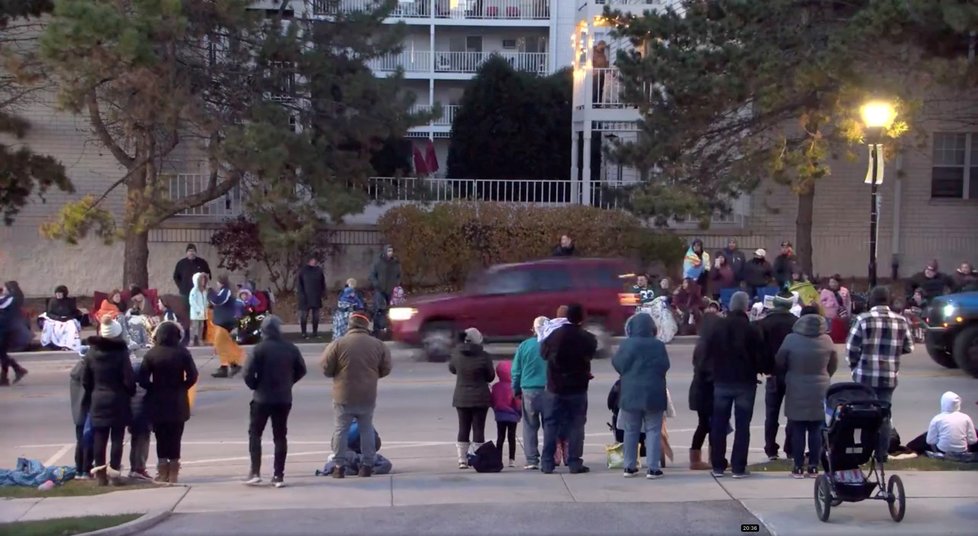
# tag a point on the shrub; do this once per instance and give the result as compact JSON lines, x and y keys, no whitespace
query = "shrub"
{"x":444,"y":243}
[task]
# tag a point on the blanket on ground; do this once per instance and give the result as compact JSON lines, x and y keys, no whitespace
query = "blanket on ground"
{"x":33,"y":473}
{"x":382,"y":466}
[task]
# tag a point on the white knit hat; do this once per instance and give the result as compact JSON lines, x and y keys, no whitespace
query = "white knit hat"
{"x":110,"y":329}
{"x":473,"y":336}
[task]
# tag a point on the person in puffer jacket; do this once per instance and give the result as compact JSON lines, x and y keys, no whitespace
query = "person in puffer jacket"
{"x":198,"y":308}
{"x":507,"y":409}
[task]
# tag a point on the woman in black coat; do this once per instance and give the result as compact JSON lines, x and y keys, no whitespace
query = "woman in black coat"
{"x":167,"y":373}
{"x":13,"y":328}
{"x":701,"y":391}
{"x":109,"y":385}
{"x":473,"y":372}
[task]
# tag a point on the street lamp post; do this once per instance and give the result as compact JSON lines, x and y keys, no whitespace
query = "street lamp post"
{"x":877,"y":116}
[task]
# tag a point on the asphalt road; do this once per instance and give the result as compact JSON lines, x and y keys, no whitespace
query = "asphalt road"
{"x":417,"y":423}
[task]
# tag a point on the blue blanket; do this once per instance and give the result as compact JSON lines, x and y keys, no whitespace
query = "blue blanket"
{"x":33,"y":473}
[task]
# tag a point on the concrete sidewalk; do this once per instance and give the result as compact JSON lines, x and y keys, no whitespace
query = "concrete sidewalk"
{"x":943,"y":503}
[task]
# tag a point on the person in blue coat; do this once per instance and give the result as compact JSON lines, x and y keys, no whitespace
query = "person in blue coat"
{"x":642,"y":363}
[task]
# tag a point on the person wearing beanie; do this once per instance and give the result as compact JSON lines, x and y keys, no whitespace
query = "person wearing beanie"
{"x":109,"y":384}
{"x":274,"y":367}
{"x":186,"y":268}
{"x":775,"y":327}
{"x":472,"y":399}
{"x":735,"y":347}
{"x":356,"y":362}
{"x":529,"y":381}
{"x":876,"y":341}
{"x":568,"y":352}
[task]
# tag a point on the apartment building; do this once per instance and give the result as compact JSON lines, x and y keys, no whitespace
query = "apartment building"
{"x":928,"y":200}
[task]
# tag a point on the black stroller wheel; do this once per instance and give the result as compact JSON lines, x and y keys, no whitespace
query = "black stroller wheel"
{"x":823,"y":498}
{"x":896,"y":498}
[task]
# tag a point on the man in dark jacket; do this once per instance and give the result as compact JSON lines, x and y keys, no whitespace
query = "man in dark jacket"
{"x":931,"y":282}
{"x":965,"y":279}
{"x":736,"y":349}
{"x":568,"y":352}
{"x":757,"y":272}
{"x":785,"y":264}
{"x":274,"y":367}
{"x":774,"y":328}
{"x":385,"y":275}
{"x":565,"y":248}
{"x":735,"y":259}
{"x":183,"y":273}
{"x":310,"y":288}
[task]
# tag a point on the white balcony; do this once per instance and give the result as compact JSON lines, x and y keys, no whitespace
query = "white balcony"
{"x":419,"y":61}
{"x":607,"y":89}
{"x":451,"y":10}
{"x":186,"y":184}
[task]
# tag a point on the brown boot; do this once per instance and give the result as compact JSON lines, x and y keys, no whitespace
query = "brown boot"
{"x":339,"y":471}
{"x":696,"y":462}
{"x":163,"y":471}
{"x":174,"y":471}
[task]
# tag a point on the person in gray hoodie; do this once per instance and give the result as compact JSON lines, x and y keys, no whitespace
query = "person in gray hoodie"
{"x":275,"y":365}
{"x":79,"y":414}
{"x":808,"y":360}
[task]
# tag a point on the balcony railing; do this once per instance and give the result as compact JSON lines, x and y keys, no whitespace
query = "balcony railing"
{"x":413,"y":61}
{"x":607,"y":89}
{"x":443,"y":9}
{"x":447,"y":116}
{"x":187,"y":184}
{"x":418,"y":61}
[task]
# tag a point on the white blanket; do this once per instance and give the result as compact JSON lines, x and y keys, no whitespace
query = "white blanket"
{"x":65,"y":335}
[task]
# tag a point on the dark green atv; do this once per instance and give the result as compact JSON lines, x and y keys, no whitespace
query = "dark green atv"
{"x":952,"y":331}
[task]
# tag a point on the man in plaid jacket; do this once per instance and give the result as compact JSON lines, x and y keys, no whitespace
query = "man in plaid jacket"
{"x":876,"y":341}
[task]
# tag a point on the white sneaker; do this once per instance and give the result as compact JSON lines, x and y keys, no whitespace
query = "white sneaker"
{"x":531,"y":467}
{"x":253,"y":480}
{"x":512,"y":463}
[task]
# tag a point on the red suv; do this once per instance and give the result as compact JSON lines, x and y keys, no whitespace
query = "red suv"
{"x":503,"y":301}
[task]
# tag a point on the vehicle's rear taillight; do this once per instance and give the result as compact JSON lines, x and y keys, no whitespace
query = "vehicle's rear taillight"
{"x":628,"y":299}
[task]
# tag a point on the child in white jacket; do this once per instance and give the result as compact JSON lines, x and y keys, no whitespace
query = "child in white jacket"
{"x":951,"y":431}
{"x":198,"y":308}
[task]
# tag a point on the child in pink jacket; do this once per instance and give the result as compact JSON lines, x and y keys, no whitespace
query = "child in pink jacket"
{"x":507,"y":409}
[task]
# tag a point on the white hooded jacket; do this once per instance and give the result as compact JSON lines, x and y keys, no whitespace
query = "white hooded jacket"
{"x":198,"y":300}
{"x":951,"y":430}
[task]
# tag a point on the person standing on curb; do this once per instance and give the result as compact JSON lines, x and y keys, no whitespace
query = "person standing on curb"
{"x":355,"y":362}
{"x":168,"y":372}
{"x":529,"y":383}
{"x":472,"y":398}
{"x":775,"y":327}
{"x":274,"y":367}
{"x":385,"y":275}
{"x":876,"y":341}
{"x":736,"y":349}
{"x":568,"y":351}
{"x":310,"y":287}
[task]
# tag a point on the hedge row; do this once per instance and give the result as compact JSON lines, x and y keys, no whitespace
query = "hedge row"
{"x":444,"y":243}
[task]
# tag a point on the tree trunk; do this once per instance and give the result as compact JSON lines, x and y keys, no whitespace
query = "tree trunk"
{"x":136,"y":263}
{"x":803,"y":228}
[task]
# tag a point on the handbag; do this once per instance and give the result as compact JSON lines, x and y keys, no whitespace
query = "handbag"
{"x":487,"y":459}
{"x":616,"y":456}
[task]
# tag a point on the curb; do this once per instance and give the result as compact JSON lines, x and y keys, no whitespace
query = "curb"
{"x":144,"y":522}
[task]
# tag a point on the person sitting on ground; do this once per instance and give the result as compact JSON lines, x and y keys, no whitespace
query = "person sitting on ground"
{"x":473,"y":372}
{"x":137,"y":318}
{"x":951,"y":432}
{"x":112,"y":306}
{"x":688,"y":302}
{"x":61,"y":322}
{"x":643,"y":292}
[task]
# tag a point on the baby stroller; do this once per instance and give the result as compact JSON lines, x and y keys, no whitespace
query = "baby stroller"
{"x":854,"y":416}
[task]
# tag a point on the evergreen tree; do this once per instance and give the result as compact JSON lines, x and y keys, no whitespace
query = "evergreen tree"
{"x":23,"y":173}
{"x":733,"y":91}
{"x":273,"y":102}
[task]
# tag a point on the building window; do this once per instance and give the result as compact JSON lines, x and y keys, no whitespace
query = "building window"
{"x":955,"y":166}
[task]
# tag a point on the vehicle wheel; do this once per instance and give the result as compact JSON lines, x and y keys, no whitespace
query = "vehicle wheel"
{"x":938,"y":354}
{"x":596,"y":328}
{"x":437,"y":341}
{"x":896,"y":498}
{"x":823,"y":498}
{"x":966,"y":350}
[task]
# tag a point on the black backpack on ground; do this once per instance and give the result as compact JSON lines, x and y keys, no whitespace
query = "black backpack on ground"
{"x":487,"y":459}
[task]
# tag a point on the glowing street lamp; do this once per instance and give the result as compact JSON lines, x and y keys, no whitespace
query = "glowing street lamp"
{"x":877,"y":116}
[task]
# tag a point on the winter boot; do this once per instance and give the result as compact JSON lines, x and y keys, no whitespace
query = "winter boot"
{"x":463,"y":454}
{"x":163,"y":471}
{"x":19,"y":373}
{"x":696,"y":462}
{"x":234,"y":370}
{"x":221,"y":372}
{"x":173,"y":471}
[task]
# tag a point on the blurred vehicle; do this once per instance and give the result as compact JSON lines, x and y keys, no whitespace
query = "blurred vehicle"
{"x":952,"y":331}
{"x":503,"y":300}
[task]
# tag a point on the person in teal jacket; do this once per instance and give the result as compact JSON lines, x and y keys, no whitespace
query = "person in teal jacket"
{"x":642,"y":363}
{"x":529,"y":381}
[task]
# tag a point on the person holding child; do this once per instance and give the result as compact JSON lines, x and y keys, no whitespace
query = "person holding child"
{"x":473,"y":372}
{"x":506,"y":408}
